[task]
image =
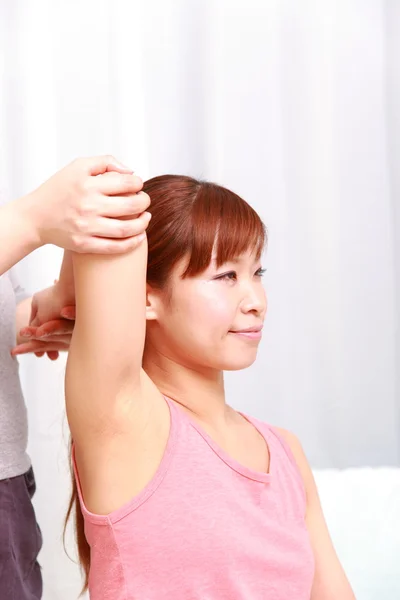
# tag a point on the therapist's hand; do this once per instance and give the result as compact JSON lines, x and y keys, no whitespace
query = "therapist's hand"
{"x":48,"y":332}
{"x":51,"y":345}
{"x":91,"y":205}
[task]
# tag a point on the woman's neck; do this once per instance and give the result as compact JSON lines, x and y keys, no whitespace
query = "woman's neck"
{"x":199,"y":391}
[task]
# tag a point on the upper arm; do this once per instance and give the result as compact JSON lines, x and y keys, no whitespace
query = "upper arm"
{"x":104,"y":364}
{"x":330,"y":581}
{"x":118,"y":435}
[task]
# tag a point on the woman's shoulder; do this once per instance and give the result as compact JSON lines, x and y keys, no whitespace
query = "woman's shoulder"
{"x":293,"y":449}
{"x":293,"y":443}
{"x":287,"y":438}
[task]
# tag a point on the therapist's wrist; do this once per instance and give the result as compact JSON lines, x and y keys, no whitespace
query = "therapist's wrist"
{"x":27,"y":222}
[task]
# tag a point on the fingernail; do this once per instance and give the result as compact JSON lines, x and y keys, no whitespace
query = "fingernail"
{"x":54,"y":333}
{"x":26,"y":334}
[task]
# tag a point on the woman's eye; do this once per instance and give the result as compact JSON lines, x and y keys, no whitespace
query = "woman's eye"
{"x":231,"y":276}
{"x":260,"y":272}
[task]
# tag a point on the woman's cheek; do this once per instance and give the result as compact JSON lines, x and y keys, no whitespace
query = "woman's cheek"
{"x":212,"y":303}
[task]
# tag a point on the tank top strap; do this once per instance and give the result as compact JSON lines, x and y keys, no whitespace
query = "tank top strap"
{"x":92,"y":517}
{"x":281,"y":452}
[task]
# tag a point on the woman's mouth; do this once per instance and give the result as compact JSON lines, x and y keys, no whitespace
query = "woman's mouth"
{"x":252,"y":333}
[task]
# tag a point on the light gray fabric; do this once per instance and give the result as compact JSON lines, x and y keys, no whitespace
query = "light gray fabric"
{"x":13,"y":416}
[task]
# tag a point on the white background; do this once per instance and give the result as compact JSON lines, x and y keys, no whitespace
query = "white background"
{"x":295,"y":106}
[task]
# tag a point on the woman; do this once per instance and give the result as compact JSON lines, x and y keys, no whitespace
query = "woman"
{"x":180,"y":495}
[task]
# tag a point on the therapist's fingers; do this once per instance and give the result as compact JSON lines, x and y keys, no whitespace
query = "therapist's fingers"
{"x":125,"y":206}
{"x":101,"y":245}
{"x":115,"y":184}
{"x":50,"y":328}
{"x":121,"y":229}
{"x":38,"y":346}
{"x":68,"y":312}
{"x":96,"y":165}
{"x":53,"y":355}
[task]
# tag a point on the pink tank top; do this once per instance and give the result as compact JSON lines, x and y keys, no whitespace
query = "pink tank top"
{"x":205,"y":527}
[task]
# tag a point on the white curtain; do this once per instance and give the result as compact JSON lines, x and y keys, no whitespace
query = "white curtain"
{"x":292,"y":104}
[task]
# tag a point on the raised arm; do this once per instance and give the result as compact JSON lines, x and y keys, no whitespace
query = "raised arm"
{"x":110,"y":401}
{"x":104,"y":365}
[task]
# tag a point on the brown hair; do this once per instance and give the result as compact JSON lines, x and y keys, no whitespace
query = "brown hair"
{"x":189,"y":218}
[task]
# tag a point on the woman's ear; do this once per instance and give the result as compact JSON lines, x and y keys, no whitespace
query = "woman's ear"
{"x":152,"y":303}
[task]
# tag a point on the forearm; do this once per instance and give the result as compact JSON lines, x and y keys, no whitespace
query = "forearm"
{"x":23,"y":314}
{"x":18,"y":232}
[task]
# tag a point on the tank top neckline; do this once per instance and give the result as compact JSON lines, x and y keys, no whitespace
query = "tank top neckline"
{"x":263,"y":477}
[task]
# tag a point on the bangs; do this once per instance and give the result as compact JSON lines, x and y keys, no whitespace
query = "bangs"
{"x":224,"y":226}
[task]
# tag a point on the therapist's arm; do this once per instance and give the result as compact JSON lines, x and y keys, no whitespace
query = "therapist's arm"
{"x":22,"y":317}
{"x":18,"y":234}
{"x":88,"y":206}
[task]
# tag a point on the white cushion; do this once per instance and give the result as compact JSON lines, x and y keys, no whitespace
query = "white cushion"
{"x":362,"y":509}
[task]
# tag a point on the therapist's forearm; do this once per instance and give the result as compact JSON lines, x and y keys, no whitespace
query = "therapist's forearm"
{"x":18,"y":231}
{"x":23,"y":314}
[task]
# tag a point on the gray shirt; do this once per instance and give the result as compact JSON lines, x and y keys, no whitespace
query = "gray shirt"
{"x":13,"y":416}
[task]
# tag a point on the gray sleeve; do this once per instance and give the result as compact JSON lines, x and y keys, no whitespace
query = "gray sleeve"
{"x":20,"y":293}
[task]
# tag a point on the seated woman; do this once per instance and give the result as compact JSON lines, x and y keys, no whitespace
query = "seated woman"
{"x":180,"y":495}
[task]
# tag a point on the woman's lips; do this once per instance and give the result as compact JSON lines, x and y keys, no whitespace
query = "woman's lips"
{"x":254,"y":334}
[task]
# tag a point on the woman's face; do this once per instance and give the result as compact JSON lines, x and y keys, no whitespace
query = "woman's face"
{"x":212,"y":320}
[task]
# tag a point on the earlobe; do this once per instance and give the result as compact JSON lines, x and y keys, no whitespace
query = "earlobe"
{"x":150,"y":314}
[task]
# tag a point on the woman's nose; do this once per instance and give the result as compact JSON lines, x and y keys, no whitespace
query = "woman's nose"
{"x":256,"y":302}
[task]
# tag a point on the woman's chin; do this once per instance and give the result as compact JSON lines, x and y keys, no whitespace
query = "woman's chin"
{"x":237,"y":364}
